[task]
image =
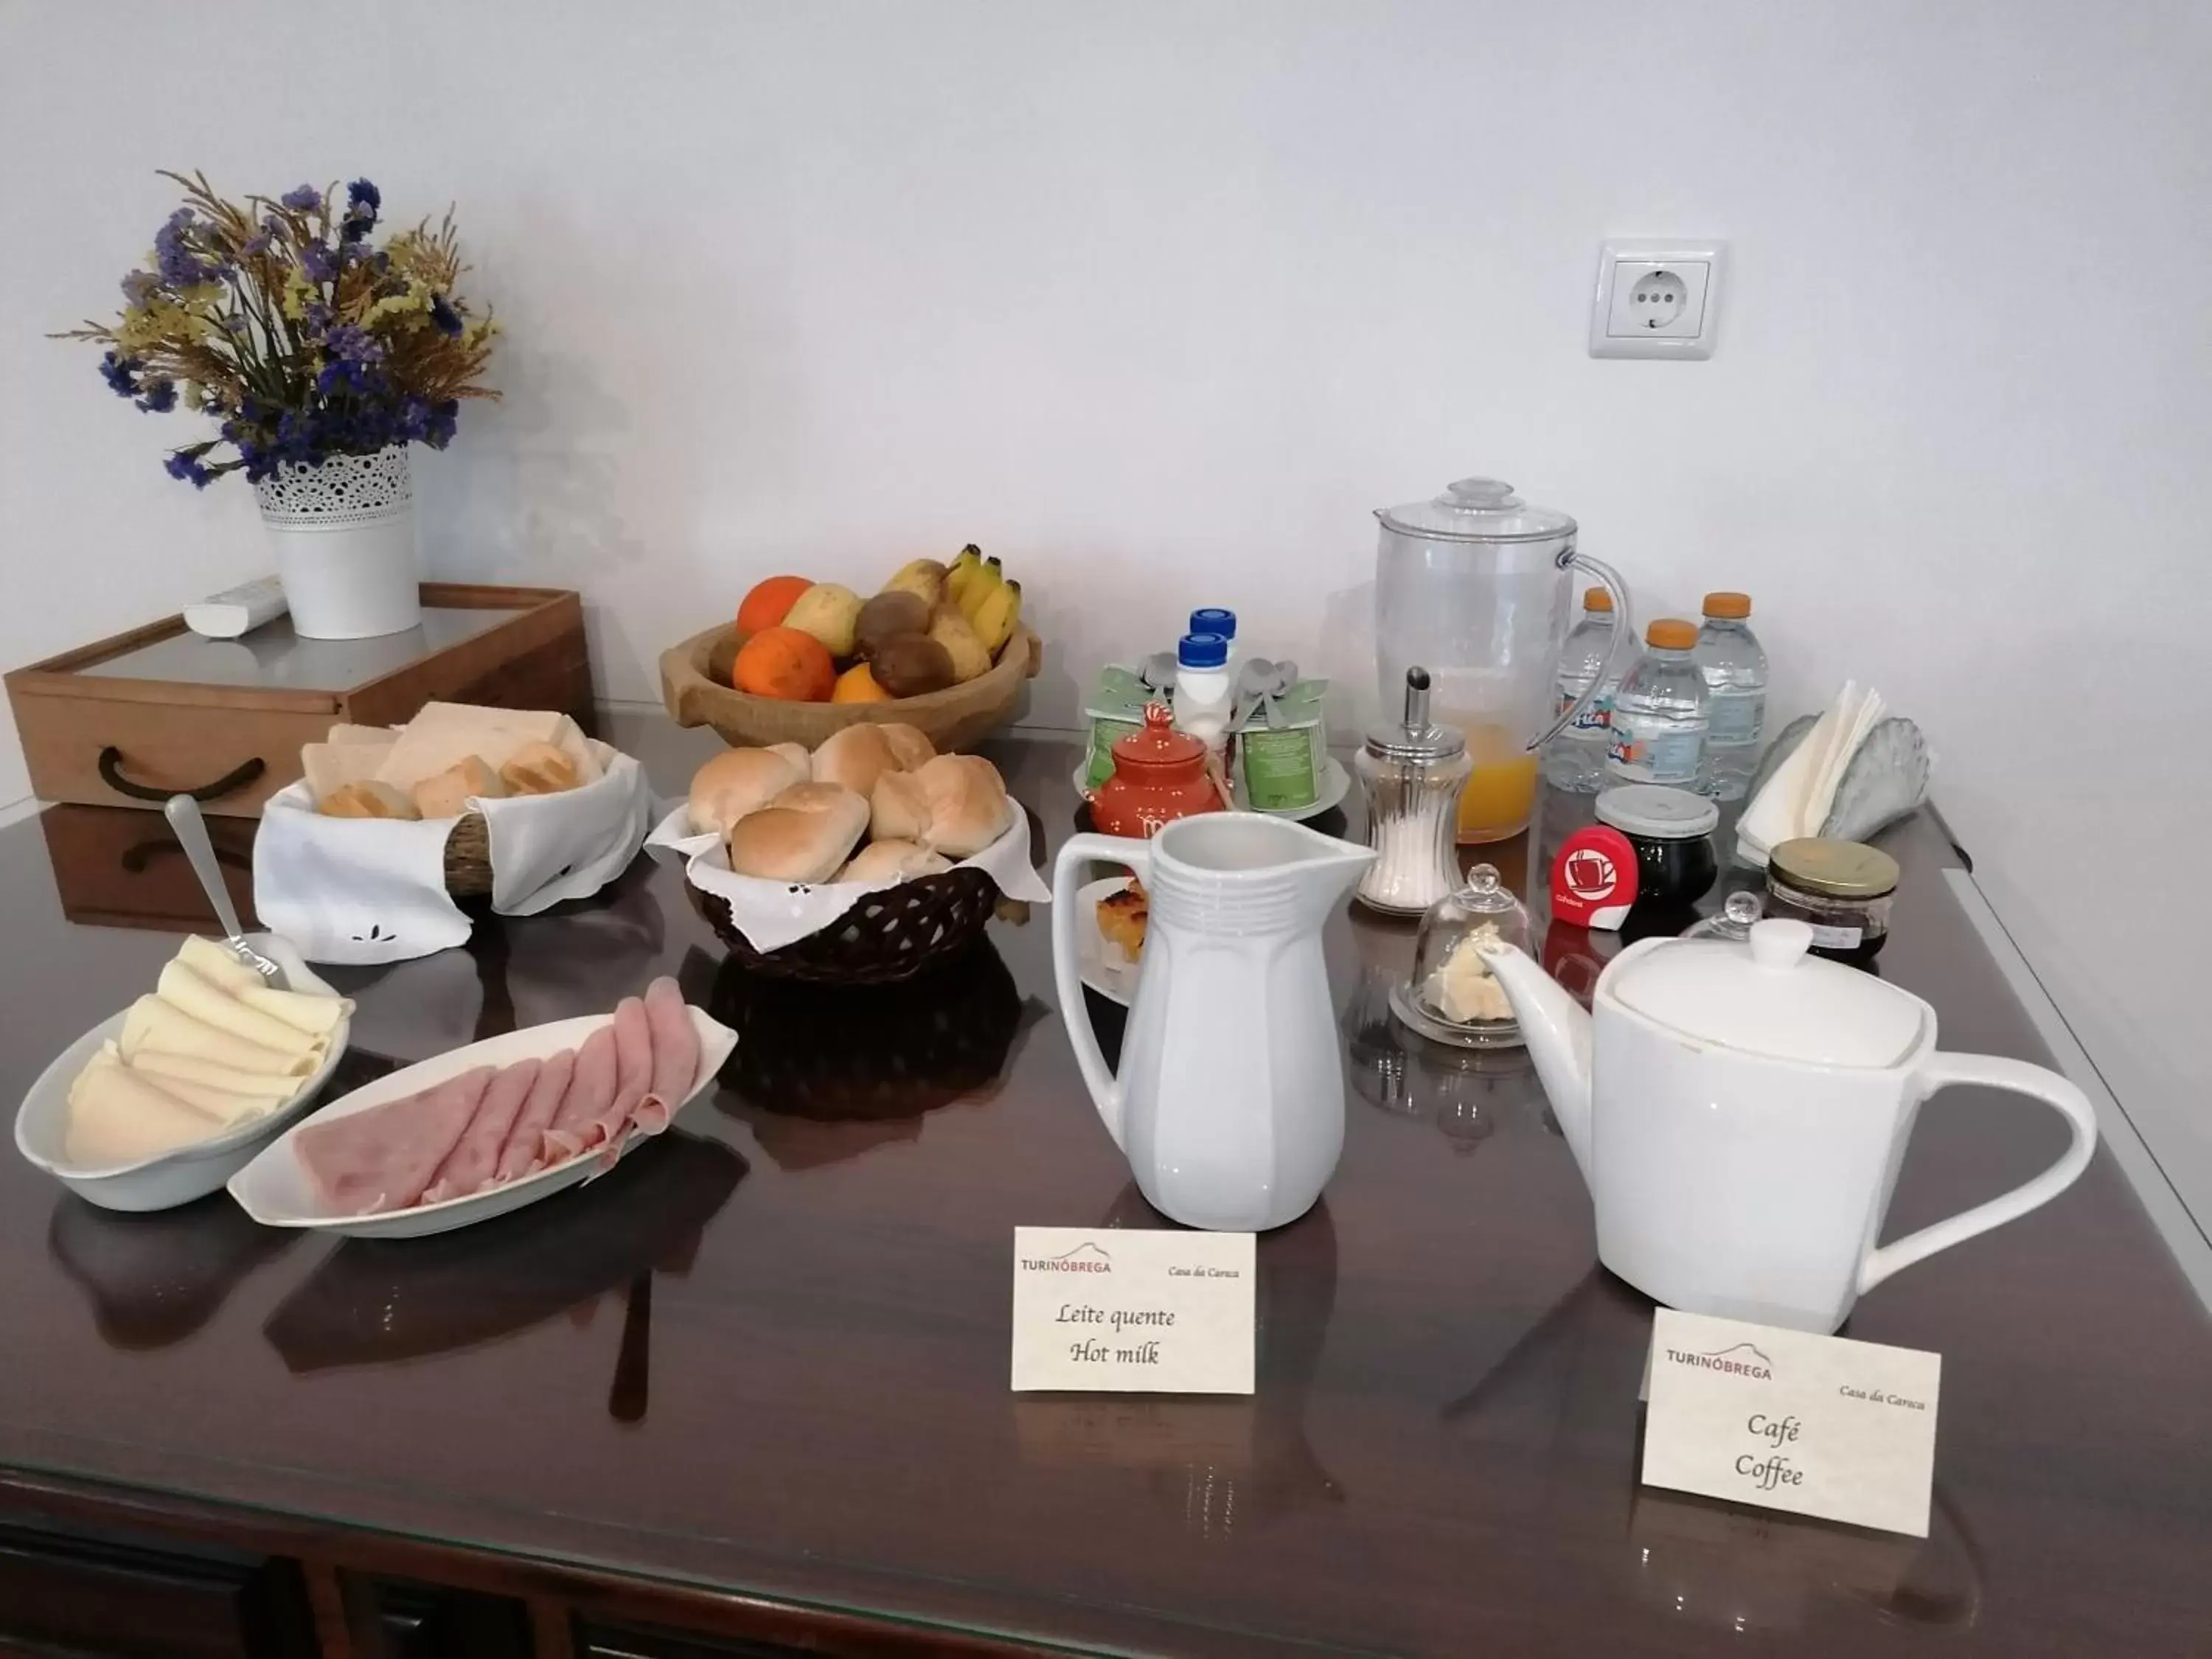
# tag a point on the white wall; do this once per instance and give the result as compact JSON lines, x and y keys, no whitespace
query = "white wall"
{"x":1158,"y":300}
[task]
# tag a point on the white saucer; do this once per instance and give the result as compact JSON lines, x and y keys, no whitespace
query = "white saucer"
{"x":1335,"y":785}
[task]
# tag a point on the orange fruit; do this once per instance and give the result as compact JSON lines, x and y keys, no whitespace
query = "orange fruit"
{"x":858,"y":684}
{"x":769,"y":602}
{"x":784,"y":663}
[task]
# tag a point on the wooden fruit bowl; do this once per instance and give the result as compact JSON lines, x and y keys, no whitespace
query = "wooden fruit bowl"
{"x":957,"y":718}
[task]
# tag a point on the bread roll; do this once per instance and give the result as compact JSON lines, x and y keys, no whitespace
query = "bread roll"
{"x":897,"y":808}
{"x":909,"y":747}
{"x":444,"y":735}
{"x":804,"y":836}
{"x":857,"y":757}
{"x":967,"y":801}
{"x":368,"y":799}
{"x":539,"y":768}
{"x":445,"y":794}
{"x":883,"y":862}
{"x":743,"y":780}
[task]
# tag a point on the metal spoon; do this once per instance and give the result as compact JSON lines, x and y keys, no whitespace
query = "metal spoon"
{"x":184,"y":815}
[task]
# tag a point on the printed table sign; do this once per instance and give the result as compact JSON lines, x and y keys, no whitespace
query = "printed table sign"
{"x":1813,"y":1424}
{"x":1146,"y":1311}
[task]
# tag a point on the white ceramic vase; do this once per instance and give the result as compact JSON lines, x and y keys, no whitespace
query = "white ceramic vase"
{"x":344,"y":533}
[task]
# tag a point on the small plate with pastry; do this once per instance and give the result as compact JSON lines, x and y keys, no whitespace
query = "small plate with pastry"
{"x":1108,"y":953}
{"x":860,"y":862}
{"x":161,"y":1103}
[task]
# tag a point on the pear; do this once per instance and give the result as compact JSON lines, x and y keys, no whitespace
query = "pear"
{"x":830,"y":613}
{"x":923,"y":576}
{"x":951,"y":630}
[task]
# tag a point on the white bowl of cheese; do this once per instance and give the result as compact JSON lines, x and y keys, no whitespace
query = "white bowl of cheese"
{"x":108,"y":1172}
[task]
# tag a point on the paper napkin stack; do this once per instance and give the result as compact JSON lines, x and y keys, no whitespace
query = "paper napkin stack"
{"x":1836,"y":781}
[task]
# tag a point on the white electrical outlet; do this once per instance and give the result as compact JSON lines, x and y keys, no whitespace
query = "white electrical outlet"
{"x":1657,"y":298}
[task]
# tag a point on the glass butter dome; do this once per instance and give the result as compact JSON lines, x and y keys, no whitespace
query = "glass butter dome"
{"x":1452,"y":996}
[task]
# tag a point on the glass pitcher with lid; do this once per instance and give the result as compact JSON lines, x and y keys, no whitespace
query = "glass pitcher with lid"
{"x":1475,"y":586}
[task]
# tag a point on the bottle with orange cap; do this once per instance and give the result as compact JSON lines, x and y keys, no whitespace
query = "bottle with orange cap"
{"x":1575,"y":759}
{"x":1729,"y":656}
{"x":1662,"y":713}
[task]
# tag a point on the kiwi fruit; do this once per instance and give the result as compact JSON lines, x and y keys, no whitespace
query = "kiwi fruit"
{"x":911,"y":664}
{"x":893,"y":612}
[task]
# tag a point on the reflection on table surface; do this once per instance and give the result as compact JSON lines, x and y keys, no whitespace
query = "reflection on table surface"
{"x":804,"y":1396}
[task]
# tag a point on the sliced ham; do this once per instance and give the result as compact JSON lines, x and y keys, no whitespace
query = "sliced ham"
{"x":526,"y":1136}
{"x":382,"y":1158}
{"x":674,"y":1055}
{"x":475,"y":1157}
{"x":590,"y":1092}
{"x":633,"y":1073}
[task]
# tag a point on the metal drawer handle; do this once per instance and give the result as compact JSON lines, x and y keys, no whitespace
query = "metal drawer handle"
{"x":111,"y":774}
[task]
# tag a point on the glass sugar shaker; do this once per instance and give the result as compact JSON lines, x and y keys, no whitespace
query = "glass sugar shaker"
{"x":1412,"y":774}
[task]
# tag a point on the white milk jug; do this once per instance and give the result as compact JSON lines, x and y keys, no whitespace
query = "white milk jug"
{"x":1229,"y":1101}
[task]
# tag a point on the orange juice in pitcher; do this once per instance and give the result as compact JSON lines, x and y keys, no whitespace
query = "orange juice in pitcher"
{"x":1475,"y":586}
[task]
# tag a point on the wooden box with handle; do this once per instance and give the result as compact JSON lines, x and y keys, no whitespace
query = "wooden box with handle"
{"x":130,"y":720}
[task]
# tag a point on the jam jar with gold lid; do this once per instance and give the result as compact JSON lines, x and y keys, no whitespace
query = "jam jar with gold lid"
{"x":1843,"y":889}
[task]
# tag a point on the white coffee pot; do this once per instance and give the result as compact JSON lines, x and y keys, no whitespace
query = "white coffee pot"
{"x":1230,"y":1100}
{"x":1740,"y":1110}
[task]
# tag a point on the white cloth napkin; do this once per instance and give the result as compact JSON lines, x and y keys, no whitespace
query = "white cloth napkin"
{"x":1796,"y":799}
{"x":772,"y":913}
{"x":373,"y":890}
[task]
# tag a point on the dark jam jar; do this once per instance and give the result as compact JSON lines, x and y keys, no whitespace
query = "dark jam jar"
{"x":1843,"y":889}
{"x":1672,"y":831}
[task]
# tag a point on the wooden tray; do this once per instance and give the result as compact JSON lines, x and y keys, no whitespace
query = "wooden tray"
{"x":957,"y":718}
{"x":130,"y":720}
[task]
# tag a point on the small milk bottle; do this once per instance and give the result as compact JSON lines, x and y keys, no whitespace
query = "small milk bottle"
{"x":1205,"y":693}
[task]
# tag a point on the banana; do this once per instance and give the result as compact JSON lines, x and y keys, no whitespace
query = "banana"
{"x":951,"y":630}
{"x":994,"y":622}
{"x":985,"y":582}
{"x":924,"y":577}
{"x":963,"y":572}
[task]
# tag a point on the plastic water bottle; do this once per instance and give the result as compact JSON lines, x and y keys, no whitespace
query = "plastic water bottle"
{"x":1203,"y":692}
{"x":1575,"y":760}
{"x":1661,"y":712}
{"x":1735,"y":669}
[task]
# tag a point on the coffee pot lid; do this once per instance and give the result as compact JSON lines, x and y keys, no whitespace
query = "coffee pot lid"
{"x":1476,"y":510}
{"x":1766,"y":996}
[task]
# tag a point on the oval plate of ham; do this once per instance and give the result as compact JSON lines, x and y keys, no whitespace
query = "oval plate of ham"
{"x":487,"y":1128}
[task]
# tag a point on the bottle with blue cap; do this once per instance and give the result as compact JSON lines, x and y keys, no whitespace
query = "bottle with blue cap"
{"x":1212,"y":619}
{"x":1204,"y":692}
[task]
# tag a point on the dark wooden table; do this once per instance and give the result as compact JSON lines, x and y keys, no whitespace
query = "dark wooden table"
{"x":754,"y":1382}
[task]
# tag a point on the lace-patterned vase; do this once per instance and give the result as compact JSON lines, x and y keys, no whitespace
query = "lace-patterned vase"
{"x":343,"y":532}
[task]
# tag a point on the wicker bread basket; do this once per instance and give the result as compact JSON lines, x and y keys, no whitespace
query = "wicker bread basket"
{"x":957,"y":718}
{"x":892,"y":934}
{"x":468,"y":857}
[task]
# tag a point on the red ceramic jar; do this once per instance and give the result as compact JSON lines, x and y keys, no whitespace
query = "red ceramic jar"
{"x":1159,"y":775}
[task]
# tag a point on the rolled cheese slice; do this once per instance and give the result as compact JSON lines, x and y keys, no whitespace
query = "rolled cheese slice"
{"x":228,"y":1108}
{"x":304,"y":1011}
{"x":184,"y":989}
{"x":212,"y":962}
{"x":154,"y":1023}
{"x":117,"y":1117}
{"x":163,"y":1069}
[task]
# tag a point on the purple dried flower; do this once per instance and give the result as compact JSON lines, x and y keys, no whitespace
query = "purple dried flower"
{"x":121,"y":373}
{"x":180,"y":267}
{"x":304,"y":199}
{"x":350,"y":343}
{"x":138,"y":287}
{"x":160,"y":397}
{"x":362,"y":194}
{"x":319,"y":263}
{"x":443,"y":317}
{"x":185,"y":464}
